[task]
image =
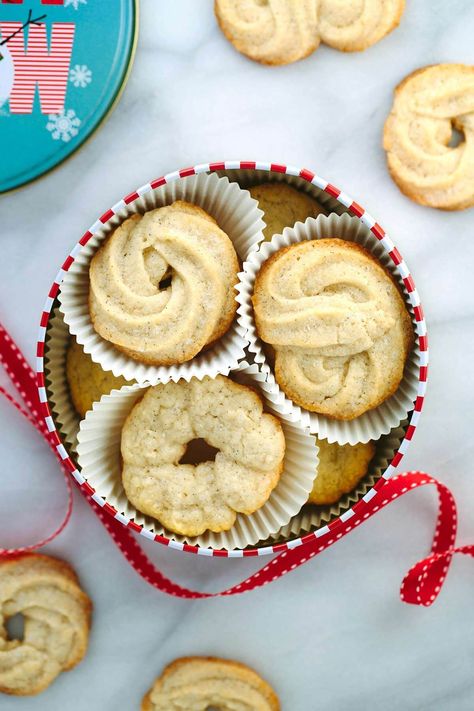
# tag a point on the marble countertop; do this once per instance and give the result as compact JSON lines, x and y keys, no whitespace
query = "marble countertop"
{"x":333,"y":634}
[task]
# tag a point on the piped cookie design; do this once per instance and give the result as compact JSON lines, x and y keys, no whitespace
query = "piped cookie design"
{"x":162,"y":287}
{"x":191,"y":498}
{"x":200,"y":683}
{"x":424,"y":161}
{"x":337,"y":324}
{"x":56,"y":614}
{"x":284,"y":31}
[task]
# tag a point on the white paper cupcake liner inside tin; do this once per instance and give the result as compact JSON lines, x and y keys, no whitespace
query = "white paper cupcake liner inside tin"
{"x":311,"y":517}
{"x":99,"y":459}
{"x":66,"y":418}
{"x":236,"y":213}
{"x":308,"y":518}
{"x":373,"y":423}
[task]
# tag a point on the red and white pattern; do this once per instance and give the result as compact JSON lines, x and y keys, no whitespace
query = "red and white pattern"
{"x":425,"y":579}
{"x":43,"y":2}
{"x":420,"y":586}
{"x":354,"y":208}
{"x":38,"y":64}
{"x":23,"y":378}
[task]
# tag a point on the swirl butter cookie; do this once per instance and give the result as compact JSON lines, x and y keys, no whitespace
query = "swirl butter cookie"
{"x":355,"y":25}
{"x":201,"y":683}
{"x":283,"y":206}
{"x":162,"y":287}
{"x":87,"y":380}
{"x":339,"y":327}
{"x":273,"y":32}
{"x":284,"y":31}
{"x":418,"y":135}
{"x":56,"y":612}
{"x":340,"y":469}
{"x":189,"y":498}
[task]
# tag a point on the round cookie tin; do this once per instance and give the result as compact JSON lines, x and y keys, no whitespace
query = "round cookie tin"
{"x":63,"y":64}
{"x":50,"y":364}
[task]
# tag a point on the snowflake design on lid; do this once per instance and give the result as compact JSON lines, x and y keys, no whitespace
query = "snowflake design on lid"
{"x":74,"y":3}
{"x":63,"y":126}
{"x":80,"y":76}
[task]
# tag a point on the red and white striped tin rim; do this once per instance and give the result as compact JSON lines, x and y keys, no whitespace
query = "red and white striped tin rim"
{"x":398,"y":261}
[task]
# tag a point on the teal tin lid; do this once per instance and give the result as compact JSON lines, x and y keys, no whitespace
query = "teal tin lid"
{"x":63,"y":64}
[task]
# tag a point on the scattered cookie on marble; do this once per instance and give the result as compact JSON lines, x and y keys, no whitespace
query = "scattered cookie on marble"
{"x":87,"y":380}
{"x":283,"y":206}
{"x":355,"y":25}
{"x":337,"y":323}
{"x":340,"y":469}
{"x":192,"y":498}
{"x":284,"y":31}
{"x":201,"y":683}
{"x":56,"y":614}
{"x":274,"y":32}
{"x":162,"y":287}
{"x":418,"y":136}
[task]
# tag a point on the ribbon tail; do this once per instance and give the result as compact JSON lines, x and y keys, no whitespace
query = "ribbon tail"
{"x":22,"y":376}
{"x":423,"y":582}
{"x":420,"y":586}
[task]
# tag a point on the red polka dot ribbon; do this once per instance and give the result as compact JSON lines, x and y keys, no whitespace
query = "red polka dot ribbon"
{"x":420,"y":586}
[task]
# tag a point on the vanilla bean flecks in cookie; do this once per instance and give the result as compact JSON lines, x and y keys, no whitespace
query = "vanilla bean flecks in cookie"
{"x":284,"y":31}
{"x":190,"y":498}
{"x":337,"y":324}
{"x":56,"y":612}
{"x":162,"y":287}
{"x":199,"y":683}
{"x":429,"y":136}
{"x":355,"y":25}
{"x":274,"y":32}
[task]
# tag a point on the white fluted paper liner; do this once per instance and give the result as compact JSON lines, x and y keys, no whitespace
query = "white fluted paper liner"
{"x":99,"y":459}
{"x":64,"y":414}
{"x":372,"y":424}
{"x":248,"y":178}
{"x":62,"y":410}
{"x":236,"y":213}
{"x":310,"y":518}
